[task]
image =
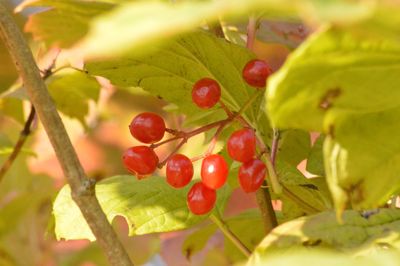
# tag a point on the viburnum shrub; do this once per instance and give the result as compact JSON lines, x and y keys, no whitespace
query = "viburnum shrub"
{"x":241,"y":146}
{"x":316,"y":141}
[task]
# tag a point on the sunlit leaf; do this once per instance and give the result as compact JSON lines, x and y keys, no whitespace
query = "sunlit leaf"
{"x":315,"y":160}
{"x":62,"y":22}
{"x":345,"y":84}
{"x":306,"y":195}
{"x":294,"y":146}
{"x":148,"y":205}
{"x":71,"y":91}
{"x":323,"y":257}
{"x":171,"y":73}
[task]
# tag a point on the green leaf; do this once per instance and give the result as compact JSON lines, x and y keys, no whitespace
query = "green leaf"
{"x":148,"y":205}
{"x":7,"y":69}
{"x":9,"y":150}
{"x":13,"y":212}
{"x":134,"y":26}
{"x":196,"y":241}
{"x":12,"y":107}
{"x":345,"y":84}
{"x":137,"y":26}
{"x":294,"y":146}
{"x":315,"y":160}
{"x":247,"y":226}
{"x":71,"y":18}
{"x":332,"y":70}
{"x":172,"y":71}
{"x":326,"y":258}
{"x":71,"y":91}
{"x":309,"y":194}
{"x":357,"y":230}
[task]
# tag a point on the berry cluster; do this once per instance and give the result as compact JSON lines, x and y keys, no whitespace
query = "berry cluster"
{"x":150,"y":128}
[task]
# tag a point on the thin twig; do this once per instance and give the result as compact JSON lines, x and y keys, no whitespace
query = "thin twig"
{"x":262,"y":195}
{"x":275,"y":145}
{"x":226,"y":109}
{"x":189,"y":134}
{"x":251,"y":32}
{"x":19,"y":144}
{"x":27,"y":128}
{"x":273,"y":177}
{"x":183,"y":141}
{"x":212,"y":144}
{"x":82,"y":188}
{"x":230,"y":235}
{"x":264,"y":202}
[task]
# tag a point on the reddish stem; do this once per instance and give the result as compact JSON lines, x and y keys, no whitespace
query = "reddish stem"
{"x":251,"y":32}
{"x":226,"y":109}
{"x":187,"y":135}
{"x":183,"y":141}
{"x":213,"y":142}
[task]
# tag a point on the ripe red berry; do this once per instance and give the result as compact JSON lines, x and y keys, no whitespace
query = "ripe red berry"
{"x":201,"y":199}
{"x":242,"y":145}
{"x":140,"y":160}
{"x":214,"y":171}
{"x":256,"y":72}
{"x":147,"y":127}
{"x":206,"y":93}
{"x":251,"y":175}
{"x":179,"y":171}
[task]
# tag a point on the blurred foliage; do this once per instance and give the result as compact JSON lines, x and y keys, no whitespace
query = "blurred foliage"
{"x":342,"y":82}
{"x":323,"y":257}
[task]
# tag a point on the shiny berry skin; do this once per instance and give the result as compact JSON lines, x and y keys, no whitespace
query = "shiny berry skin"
{"x":206,"y":93}
{"x":147,"y":127}
{"x":140,"y":160}
{"x":251,"y":175}
{"x":179,"y":171}
{"x":242,"y":145}
{"x":214,"y":171}
{"x":201,"y":199}
{"x":256,"y":72}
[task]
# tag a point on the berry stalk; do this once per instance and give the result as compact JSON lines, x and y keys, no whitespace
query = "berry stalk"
{"x":230,"y":235}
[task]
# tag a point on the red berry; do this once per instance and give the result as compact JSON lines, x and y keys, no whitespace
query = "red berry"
{"x":251,"y":175}
{"x":140,"y":160}
{"x":214,"y":171}
{"x":179,"y":171}
{"x":147,"y":127}
{"x":256,"y":72}
{"x":242,"y":145}
{"x":206,"y":93}
{"x":201,"y":199}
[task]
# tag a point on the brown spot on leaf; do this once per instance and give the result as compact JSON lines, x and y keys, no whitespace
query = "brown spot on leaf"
{"x":327,"y":100}
{"x":312,"y":243}
{"x":355,"y":192}
{"x":188,"y":253}
{"x":310,"y":186}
